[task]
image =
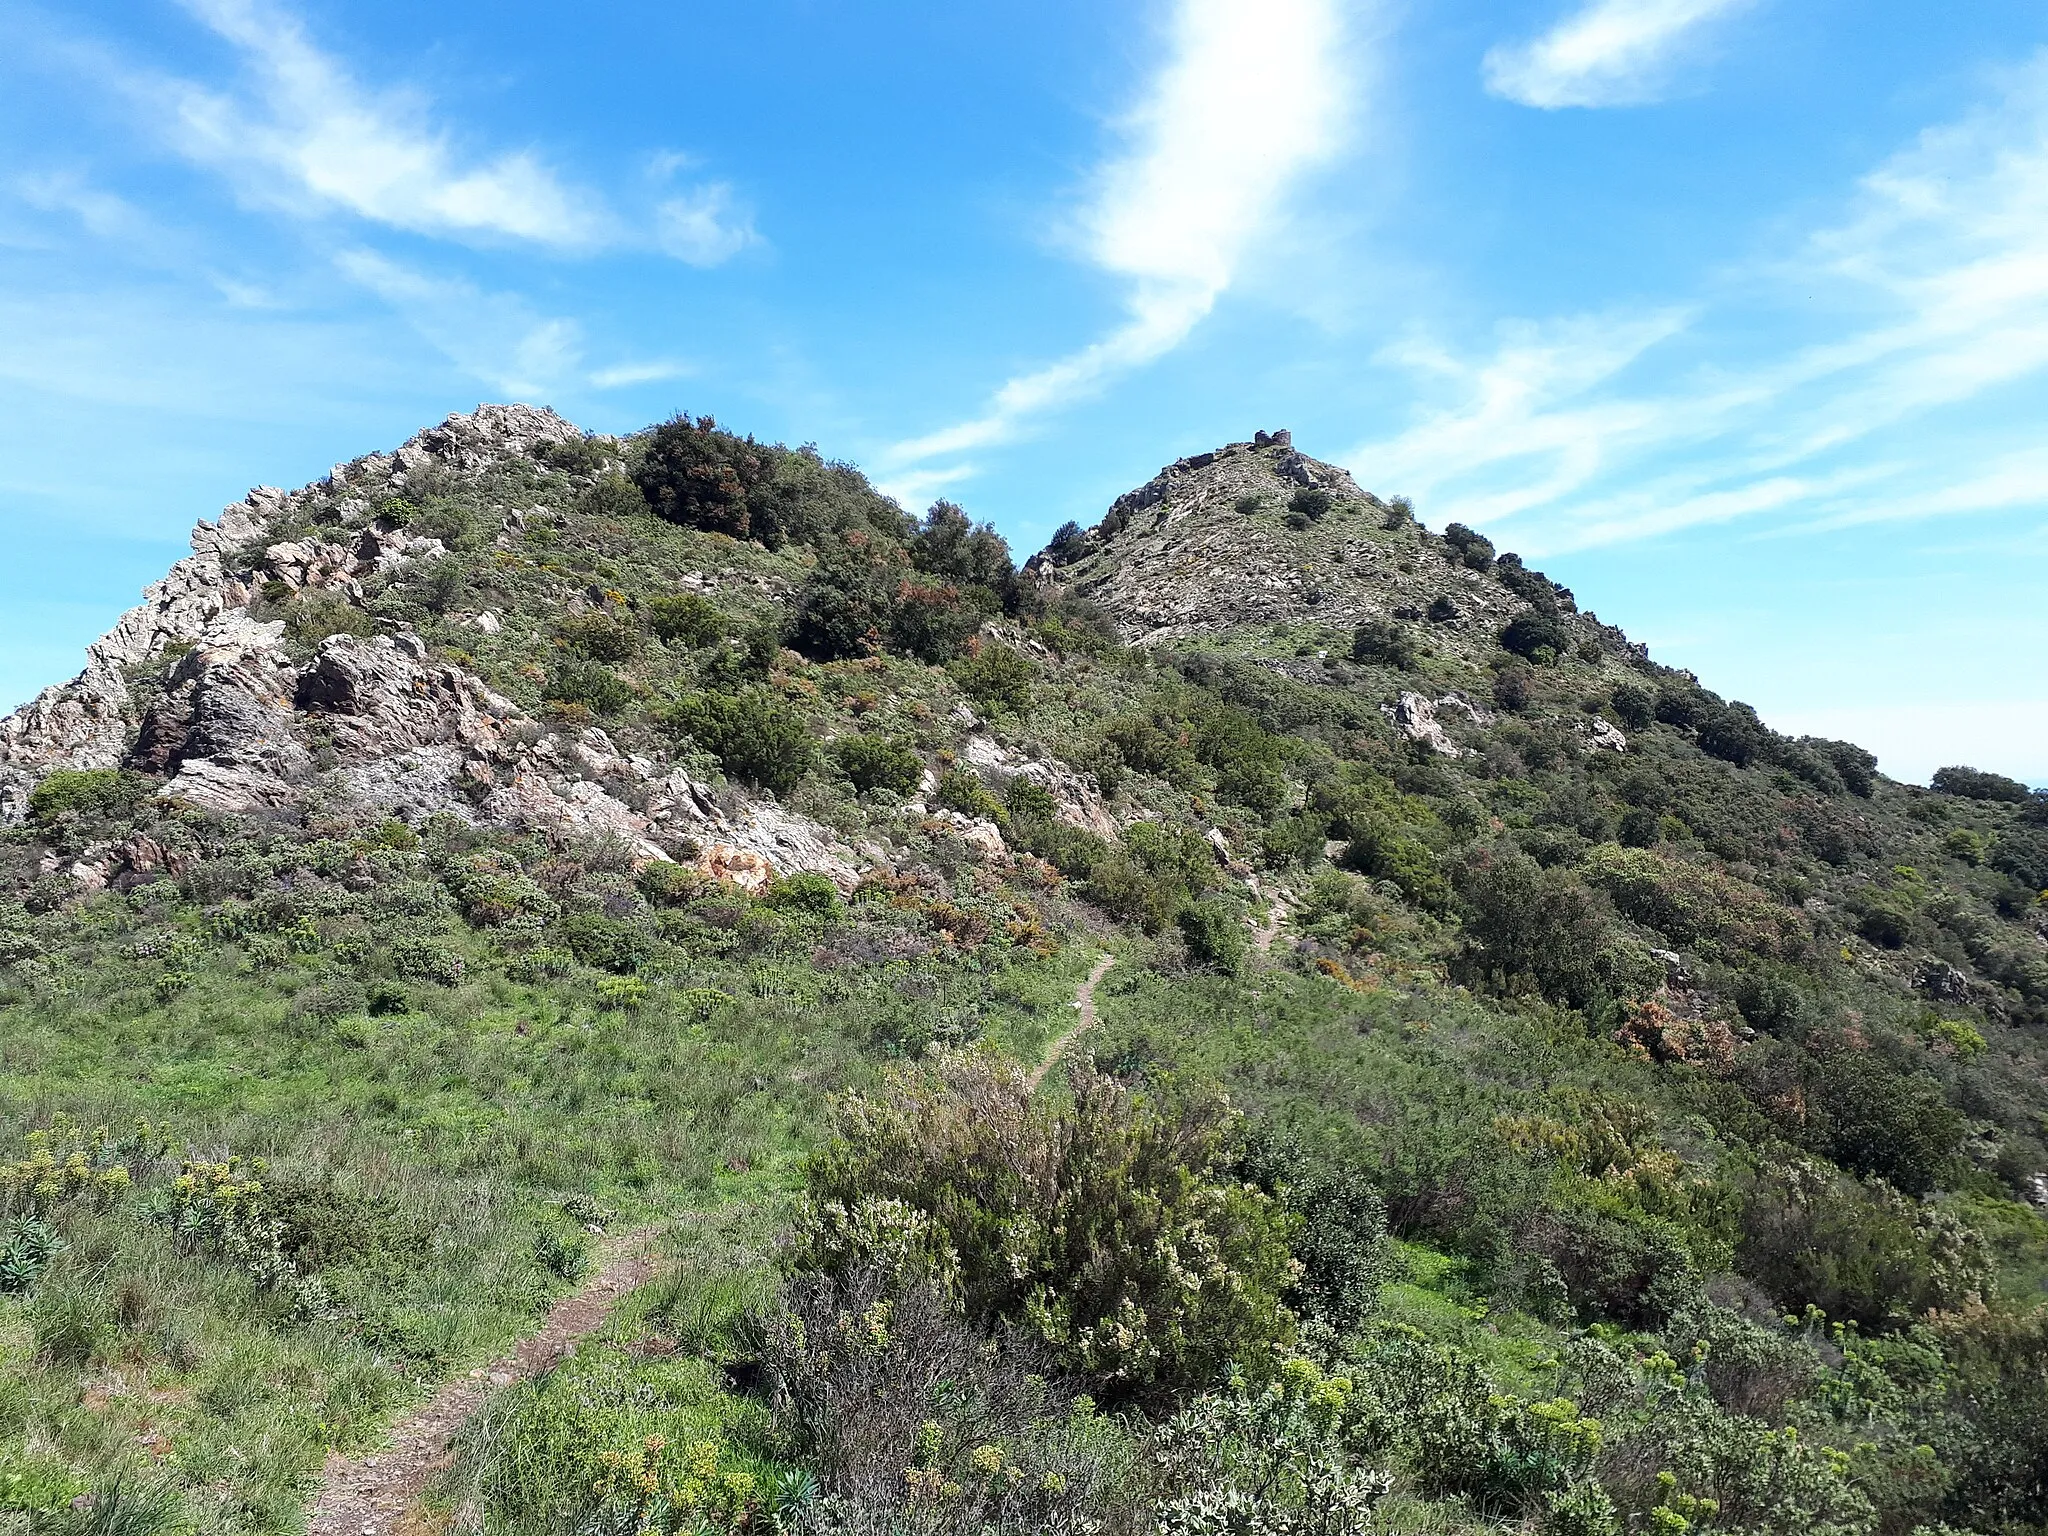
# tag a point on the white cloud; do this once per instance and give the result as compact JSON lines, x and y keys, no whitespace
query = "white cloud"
{"x":1251,"y":95}
{"x":703,"y":226}
{"x":315,"y":136}
{"x":1611,"y":53}
{"x":1602,"y":428}
{"x":496,"y":337}
{"x":626,"y":375}
{"x":302,"y":133}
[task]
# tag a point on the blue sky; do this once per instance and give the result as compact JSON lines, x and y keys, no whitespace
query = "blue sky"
{"x":1733,"y":314}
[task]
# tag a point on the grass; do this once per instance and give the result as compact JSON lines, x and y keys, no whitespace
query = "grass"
{"x":469,"y":1119}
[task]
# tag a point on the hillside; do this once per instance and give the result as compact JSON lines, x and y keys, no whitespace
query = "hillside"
{"x":1528,"y":1092}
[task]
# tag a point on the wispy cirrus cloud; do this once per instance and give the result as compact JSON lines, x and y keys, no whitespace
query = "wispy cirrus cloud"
{"x":302,"y":133}
{"x":1251,"y":95}
{"x":496,"y":337}
{"x":1598,"y":429}
{"x":1609,"y":53}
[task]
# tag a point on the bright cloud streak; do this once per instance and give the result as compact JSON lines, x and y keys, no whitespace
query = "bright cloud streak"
{"x":1251,"y":96}
{"x":1612,"y":53}
{"x":309,"y":137}
{"x":1944,"y":257}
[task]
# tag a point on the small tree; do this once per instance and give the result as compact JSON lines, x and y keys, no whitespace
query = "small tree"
{"x":1214,"y":932}
{"x":877,"y":762}
{"x":997,"y":678}
{"x":1382,"y":643}
{"x":755,"y":736}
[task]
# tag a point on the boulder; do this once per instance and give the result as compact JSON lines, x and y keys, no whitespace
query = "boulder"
{"x":1416,"y":718}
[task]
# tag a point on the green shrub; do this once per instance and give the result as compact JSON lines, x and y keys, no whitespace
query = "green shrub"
{"x":1080,"y":1222}
{"x":599,"y":636}
{"x":541,"y":963}
{"x":1977,"y":784}
{"x":612,"y":496}
{"x":805,"y":895}
{"x":847,"y":605}
{"x":1861,"y":1253}
{"x":1290,"y":1456}
{"x":1340,"y":1233}
{"x":1635,"y":705}
{"x":932,"y":622}
{"x":696,"y":475}
{"x":1473,"y":549}
{"x":427,"y":960}
{"x":612,"y":1441}
{"x":668,"y":884}
{"x":964,"y":792}
{"x":877,"y":762}
{"x":685,"y":619}
{"x":1153,"y":874}
{"x":756,"y":737}
{"x":1734,"y":734}
{"x":1214,"y":932}
{"x":82,"y":794}
{"x":575,"y":455}
{"x":997,"y":678}
{"x":1532,"y":635}
{"x":1311,"y":502}
{"x":27,"y":1244}
{"x":1382,"y":643}
{"x":608,"y":943}
{"x":591,"y":684}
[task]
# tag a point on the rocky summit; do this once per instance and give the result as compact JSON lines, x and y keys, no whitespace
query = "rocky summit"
{"x":564,"y":983}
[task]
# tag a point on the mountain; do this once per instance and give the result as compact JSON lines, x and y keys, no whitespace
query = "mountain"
{"x":529,"y":832}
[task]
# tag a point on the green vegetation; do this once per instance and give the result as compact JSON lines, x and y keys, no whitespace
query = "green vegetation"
{"x":1612,"y":1141}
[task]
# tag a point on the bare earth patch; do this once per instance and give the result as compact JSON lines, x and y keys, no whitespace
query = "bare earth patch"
{"x":374,"y":1495}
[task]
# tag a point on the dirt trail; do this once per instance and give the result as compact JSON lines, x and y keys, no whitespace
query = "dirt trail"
{"x":1084,"y":1007}
{"x":1270,"y":929}
{"x":372,"y":1495}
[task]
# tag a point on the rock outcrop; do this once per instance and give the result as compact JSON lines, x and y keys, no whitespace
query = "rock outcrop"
{"x":1259,"y":534}
{"x":237,"y":725}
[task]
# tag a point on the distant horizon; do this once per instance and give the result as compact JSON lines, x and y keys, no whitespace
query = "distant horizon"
{"x":1730,"y":314}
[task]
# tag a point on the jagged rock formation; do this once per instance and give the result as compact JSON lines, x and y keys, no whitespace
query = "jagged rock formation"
{"x":1259,"y":534}
{"x":239,"y":726}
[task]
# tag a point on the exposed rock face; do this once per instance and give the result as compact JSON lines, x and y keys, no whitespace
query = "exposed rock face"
{"x":240,"y":727}
{"x":1222,"y":540}
{"x":1079,"y":802}
{"x":1416,"y":718}
{"x":1603,"y":735}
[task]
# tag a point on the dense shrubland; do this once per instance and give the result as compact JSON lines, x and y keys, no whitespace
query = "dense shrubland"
{"x":1637,"y":1141}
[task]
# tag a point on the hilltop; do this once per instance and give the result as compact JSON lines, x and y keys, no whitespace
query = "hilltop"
{"x":528,"y":833}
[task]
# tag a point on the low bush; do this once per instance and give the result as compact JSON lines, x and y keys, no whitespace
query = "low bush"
{"x":878,"y":762}
{"x":84,"y":794}
{"x":1383,"y":643}
{"x":598,"y":636}
{"x":422,"y":959}
{"x":591,"y":684}
{"x":1214,"y":932}
{"x":685,"y":619}
{"x":1109,"y":1228}
{"x":996,"y":677}
{"x":756,"y":737}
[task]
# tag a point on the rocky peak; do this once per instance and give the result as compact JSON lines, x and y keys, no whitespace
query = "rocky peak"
{"x":1259,"y":534}
{"x":196,"y":687}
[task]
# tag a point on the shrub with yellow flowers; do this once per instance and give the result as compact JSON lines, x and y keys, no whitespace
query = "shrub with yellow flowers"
{"x":66,"y":1161}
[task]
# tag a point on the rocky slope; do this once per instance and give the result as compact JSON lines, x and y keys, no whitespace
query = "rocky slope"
{"x":1259,"y":535}
{"x":239,"y":724}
